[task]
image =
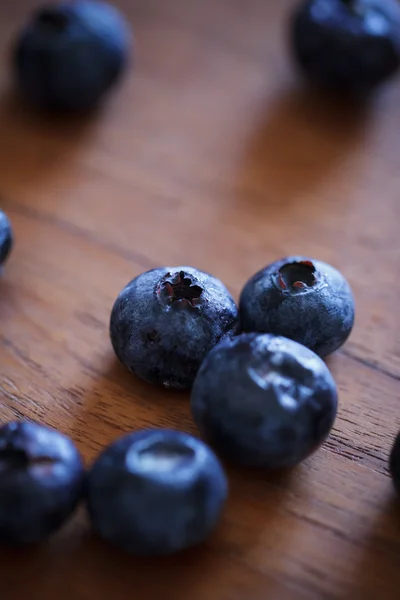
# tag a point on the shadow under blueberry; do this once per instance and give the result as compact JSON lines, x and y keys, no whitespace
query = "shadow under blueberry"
{"x":116,"y":374}
{"x":303,"y":137}
{"x":76,"y":560}
{"x":35,"y":143}
{"x":79,"y":566}
{"x":378,"y":557}
{"x":116,"y":402}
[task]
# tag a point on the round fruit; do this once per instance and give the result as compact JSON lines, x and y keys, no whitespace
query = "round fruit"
{"x":165,"y":321}
{"x":41,"y":481}
{"x":302,"y":299}
{"x":156,"y":492}
{"x":352,"y":45}
{"x":264,"y":401}
{"x":70,"y":54}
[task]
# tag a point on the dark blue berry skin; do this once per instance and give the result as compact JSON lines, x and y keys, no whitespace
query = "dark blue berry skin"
{"x":41,"y":482}
{"x":350,"y":45}
{"x":264,"y":401}
{"x":165,"y":321}
{"x":156,"y":492}
{"x":70,"y":54}
{"x":6,"y":237}
{"x":302,"y":299}
{"x":394,"y":463}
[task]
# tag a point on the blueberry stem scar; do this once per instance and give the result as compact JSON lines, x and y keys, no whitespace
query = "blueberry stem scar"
{"x":297,"y":275}
{"x":305,"y":300}
{"x":13,"y":458}
{"x":179,"y":287}
{"x":166,"y":320}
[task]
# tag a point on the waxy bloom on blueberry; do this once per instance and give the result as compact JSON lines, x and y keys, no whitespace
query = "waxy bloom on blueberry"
{"x":302,"y":299}
{"x":264,"y":401}
{"x":165,"y":321}
{"x":41,"y":481}
{"x":156,"y":492}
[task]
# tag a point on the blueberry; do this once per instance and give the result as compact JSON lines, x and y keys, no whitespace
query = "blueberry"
{"x":351,"y":45}
{"x":264,"y":401}
{"x":41,"y":479}
{"x":70,"y":54}
{"x":394,"y":463}
{"x":156,"y":492}
{"x":302,"y":299}
{"x":6,"y":237}
{"x":165,"y":321}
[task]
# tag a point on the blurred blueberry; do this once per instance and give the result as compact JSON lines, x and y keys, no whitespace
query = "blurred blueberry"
{"x":6,"y":237}
{"x":394,"y":463}
{"x":41,"y":481}
{"x":156,"y":492}
{"x":70,"y":54}
{"x":351,"y":45}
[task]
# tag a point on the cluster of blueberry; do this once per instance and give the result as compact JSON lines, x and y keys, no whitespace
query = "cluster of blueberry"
{"x":153,"y":492}
{"x":261,"y":399}
{"x":260,"y":391}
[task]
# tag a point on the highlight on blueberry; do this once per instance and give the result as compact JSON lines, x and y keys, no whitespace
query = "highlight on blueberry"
{"x":70,"y":54}
{"x":41,"y":482}
{"x":156,"y":492}
{"x":6,"y":237}
{"x":351,"y":45}
{"x":394,"y":463}
{"x":165,"y":321}
{"x":264,"y":401}
{"x":302,"y":299}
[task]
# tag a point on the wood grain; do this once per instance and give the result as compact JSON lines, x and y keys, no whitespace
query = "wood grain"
{"x":212,"y":154}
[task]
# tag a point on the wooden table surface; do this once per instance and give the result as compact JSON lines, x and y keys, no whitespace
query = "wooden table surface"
{"x":211,"y":153}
